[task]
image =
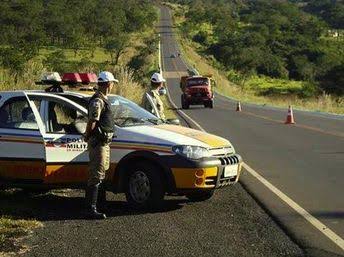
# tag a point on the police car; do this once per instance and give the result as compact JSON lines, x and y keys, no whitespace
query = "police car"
{"x":42,"y":147}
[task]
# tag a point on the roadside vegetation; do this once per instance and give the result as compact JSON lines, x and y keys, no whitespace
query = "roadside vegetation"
{"x":86,"y":36}
{"x":264,"y":52}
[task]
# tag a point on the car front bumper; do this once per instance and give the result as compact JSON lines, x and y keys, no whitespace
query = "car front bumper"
{"x":198,"y":99}
{"x":206,"y":174}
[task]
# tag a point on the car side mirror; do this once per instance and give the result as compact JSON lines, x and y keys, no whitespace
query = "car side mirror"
{"x":173,"y":121}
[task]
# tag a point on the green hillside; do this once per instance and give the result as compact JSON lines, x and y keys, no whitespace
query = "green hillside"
{"x":269,"y":49}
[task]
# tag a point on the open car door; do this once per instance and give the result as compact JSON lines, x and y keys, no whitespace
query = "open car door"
{"x":64,"y":123}
{"x":22,"y":153}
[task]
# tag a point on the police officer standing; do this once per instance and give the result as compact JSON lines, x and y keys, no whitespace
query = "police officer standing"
{"x":156,"y":83}
{"x":99,"y":133}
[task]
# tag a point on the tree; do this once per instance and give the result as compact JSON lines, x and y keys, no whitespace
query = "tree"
{"x":116,"y":46}
{"x":56,"y":61}
{"x":302,"y":68}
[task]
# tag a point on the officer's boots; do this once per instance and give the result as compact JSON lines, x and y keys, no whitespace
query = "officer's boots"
{"x":92,"y":199}
{"x":101,"y":196}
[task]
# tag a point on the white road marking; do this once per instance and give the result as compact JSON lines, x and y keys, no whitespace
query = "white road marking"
{"x":305,"y":214}
{"x":296,"y":207}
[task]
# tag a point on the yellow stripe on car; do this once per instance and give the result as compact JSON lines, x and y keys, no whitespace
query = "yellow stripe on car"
{"x":209,"y":139}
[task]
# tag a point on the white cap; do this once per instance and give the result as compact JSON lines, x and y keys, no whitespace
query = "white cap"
{"x":51,"y":76}
{"x":106,"y":76}
{"x":157,"y":78}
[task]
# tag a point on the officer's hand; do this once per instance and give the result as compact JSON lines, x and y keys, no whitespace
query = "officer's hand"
{"x":86,"y":137}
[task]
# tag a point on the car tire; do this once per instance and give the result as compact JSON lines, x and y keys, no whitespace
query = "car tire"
{"x":211,"y":104}
{"x":185,"y":104}
{"x":200,"y":196}
{"x":145,"y":187}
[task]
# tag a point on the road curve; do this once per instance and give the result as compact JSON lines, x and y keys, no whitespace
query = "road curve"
{"x":305,"y":161}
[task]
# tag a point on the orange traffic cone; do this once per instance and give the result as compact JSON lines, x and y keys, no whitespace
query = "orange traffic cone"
{"x":290,"y":116}
{"x":238,"y":109}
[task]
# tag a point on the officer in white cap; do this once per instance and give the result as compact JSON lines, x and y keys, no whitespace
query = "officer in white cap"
{"x":99,"y":133}
{"x":157,"y":82}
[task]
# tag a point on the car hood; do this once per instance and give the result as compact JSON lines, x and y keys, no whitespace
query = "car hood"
{"x":170,"y":135}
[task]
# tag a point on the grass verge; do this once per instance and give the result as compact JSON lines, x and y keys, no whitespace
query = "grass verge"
{"x":12,"y":230}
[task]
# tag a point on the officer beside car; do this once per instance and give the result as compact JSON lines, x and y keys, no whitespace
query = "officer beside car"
{"x":156,"y":90}
{"x":99,"y":133}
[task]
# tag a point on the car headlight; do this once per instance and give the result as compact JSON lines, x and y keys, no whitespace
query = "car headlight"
{"x":191,"y":152}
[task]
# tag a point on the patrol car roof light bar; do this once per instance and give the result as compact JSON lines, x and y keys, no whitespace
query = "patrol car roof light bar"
{"x":54,"y":81}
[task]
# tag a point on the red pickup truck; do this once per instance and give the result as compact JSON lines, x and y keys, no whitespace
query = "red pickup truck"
{"x":197,"y":90}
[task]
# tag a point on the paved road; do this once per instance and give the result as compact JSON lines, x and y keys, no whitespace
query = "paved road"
{"x":304,"y":161}
{"x":231,"y":224}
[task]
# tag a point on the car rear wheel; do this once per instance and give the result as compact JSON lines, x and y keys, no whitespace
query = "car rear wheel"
{"x":200,"y":196}
{"x":209,"y":104}
{"x":145,"y":187}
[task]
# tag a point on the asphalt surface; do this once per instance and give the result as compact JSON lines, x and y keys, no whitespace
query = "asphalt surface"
{"x":230,"y":224}
{"x":305,"y":161}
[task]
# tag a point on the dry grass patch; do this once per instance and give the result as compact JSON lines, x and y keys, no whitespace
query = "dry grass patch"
{"x":11,"y":231}
{"x":128,"y":87}
{"x":32,"y":71}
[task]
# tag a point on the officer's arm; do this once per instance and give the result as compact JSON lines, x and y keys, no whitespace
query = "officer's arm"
{"x":93,"y":117}
{"x":144,"y":102}
{"x":91,"y":125}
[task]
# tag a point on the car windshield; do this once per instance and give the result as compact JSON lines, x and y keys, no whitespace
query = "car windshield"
{"x":127,"y":113}
{"x":197,"y":82}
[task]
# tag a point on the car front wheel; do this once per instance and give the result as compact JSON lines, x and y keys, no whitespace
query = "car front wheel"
{"x":185,"y":104}
{"x":145,"y":187}
{"x":211,"y":104}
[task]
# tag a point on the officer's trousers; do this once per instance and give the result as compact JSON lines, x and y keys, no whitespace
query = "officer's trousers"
{"x":99,"y":154}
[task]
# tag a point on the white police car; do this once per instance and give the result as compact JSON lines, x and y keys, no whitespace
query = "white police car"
{"x":42,"y":147}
